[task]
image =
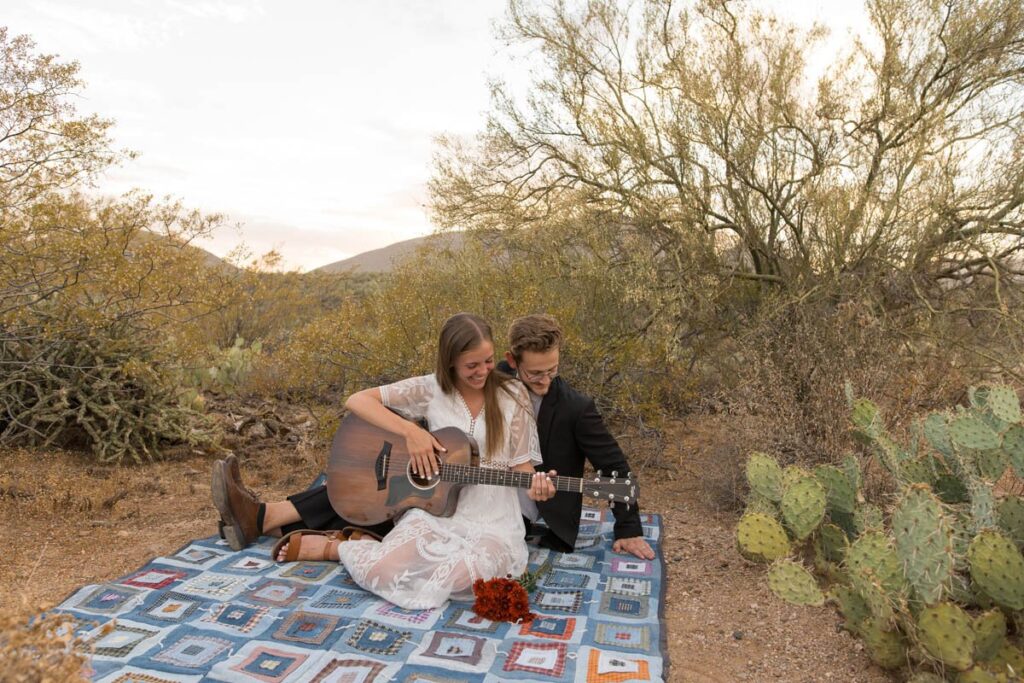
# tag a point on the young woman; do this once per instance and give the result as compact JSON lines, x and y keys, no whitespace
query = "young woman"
{"x":426,"y":560}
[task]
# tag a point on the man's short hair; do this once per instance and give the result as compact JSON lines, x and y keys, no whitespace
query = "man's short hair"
{"x":537,"y":333}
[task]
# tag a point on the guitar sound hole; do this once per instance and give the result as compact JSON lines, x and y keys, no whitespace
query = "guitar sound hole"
{"x":419,"y":482}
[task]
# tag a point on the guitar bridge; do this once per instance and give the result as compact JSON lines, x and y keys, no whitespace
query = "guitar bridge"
{"x":380,"y":466}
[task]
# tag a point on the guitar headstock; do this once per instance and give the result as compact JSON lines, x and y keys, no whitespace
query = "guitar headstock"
{"x":614,"y":489}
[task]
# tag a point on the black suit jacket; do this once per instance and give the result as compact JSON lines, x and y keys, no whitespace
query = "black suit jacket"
{"x":571,"y":432}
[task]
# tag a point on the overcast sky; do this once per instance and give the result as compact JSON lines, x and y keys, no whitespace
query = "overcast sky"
{"x":311,"y":124}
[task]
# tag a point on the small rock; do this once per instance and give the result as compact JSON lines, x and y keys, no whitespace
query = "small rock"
{"x":738,"y":635}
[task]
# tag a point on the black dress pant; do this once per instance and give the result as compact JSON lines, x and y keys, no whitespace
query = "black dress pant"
{"x":316,"y":512}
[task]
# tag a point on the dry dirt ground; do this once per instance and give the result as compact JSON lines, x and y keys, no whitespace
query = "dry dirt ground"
{"x":71,"y":522}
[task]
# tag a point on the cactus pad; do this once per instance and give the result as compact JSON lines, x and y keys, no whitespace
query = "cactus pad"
{"x":1013,"y":445}
{"x":765,"y":476}
{"x":979,"y":675}
{"x":991,"y":463}
{"x":1010,"y":513}
{"x":936,"y":431}
{"x":791,"y":582}
{"x":950,"y":489}
{"x":886,"y":647}
{"x":832,"y":543}
{"x":1002,"y":402}
{"x":761,"y":538}
{"x":997,"y":567}
{"x":851,"y":468}
{"x":839,"y":492}
{"x":972,"y":433}
{"x":803,"y":506}
{"x":945,"y":633}
{"x":989,"y":634}
{"x":874,"y":552}
{"x":761,"y":504}
{"x":868,"y":518}
{"x":921,"y":470}
{"x":926,"y":677}
{"x":1008,"y":661}
{"x":866,"y":418}
{"x":851,"y":605}
{"x":923,"y":542}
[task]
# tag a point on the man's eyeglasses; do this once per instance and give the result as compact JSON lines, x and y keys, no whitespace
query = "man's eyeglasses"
{"x":538,"y":376}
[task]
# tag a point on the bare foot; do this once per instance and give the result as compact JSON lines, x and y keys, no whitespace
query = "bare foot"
{"x":312,"y":547}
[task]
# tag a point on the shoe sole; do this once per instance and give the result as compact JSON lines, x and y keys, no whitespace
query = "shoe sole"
{"x":232,"y":530}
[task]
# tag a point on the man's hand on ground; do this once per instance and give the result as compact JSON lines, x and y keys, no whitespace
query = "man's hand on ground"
{"x":634,"y":546}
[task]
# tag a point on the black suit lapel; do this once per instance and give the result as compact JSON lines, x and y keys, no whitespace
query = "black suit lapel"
{"x":546,"y":415}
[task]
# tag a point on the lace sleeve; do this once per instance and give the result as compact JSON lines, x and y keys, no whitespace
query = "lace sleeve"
{"x":410,"y":397}
{"x":524,"y":446}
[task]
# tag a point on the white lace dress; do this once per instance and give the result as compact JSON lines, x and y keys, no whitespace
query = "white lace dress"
{"x":425,"y":560}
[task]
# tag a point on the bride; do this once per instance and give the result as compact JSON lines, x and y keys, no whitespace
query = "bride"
{"x":426,"y":560}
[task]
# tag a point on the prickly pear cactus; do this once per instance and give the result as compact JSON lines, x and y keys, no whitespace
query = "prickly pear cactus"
{"x":867,"y":418}
{"x":761,"y":538}
{"x":840,"y":493}
{"x":1013,"y":444}
{"x":765,"y":476}
{"x":791,"y":582}
{"x":886,"y":645}
{"x":945,"y":633}
{"x":851,"y":605}
{"x":1010,"y":513}
{"x":997,"y":567}
{"x":973,"y":434}
{"x":1003,"y":404}
{"x":831,"y":543}
{"x":923,"y":542}
{"x":867,"y":518}
{"x":989,"y":634}
{"x":803,"y":506}
{"x":936,"y":431}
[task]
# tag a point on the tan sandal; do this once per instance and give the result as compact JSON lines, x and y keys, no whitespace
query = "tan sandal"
{"x":294,"y":541}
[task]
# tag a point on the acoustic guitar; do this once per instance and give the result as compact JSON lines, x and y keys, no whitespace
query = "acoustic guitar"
{"x":370,"y":480}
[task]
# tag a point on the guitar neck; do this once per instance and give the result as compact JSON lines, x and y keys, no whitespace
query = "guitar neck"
{"x":466,"y":474}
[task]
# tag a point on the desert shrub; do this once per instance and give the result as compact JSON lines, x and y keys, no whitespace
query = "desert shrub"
{"x":392,"y":331}
{"x":108,"y":392}
{"x":41,"y":650}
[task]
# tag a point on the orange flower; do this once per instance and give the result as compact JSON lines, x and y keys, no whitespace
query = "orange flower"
{"x":502,"y":600}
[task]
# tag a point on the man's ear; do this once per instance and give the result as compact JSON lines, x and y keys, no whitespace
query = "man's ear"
{"x":510,"y":359}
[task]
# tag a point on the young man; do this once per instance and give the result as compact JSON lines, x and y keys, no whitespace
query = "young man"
{"x":571,"y":432}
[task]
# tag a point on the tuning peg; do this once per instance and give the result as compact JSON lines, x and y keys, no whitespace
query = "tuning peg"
{"x":599,"y":473}
{"x":629,"y":474}
{"x":614,"y":474}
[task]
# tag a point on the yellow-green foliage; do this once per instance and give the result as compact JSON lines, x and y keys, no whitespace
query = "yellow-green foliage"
{"x":391,"y":332}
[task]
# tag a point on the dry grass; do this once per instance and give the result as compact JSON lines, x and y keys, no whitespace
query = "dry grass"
{"x":42,"y":649}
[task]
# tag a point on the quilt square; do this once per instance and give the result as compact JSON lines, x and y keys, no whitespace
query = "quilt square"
{"x":468,"y":620}
{"x":263,"y":662}
{"x":625,"y":636}
{"x":591,"y":515}
{"x":547,"y":659}
{"x":345,"y":669}
{"x":623,"y":606}
{"x":378,"y":639}
{"x":133,"y":674}
{"x":154,"y":578}
{"x":172,"y":607}
{"x":247,"y":563}
{"x":108,"y":599}
{"x":193,"y":651}
{"x":624,"y":586}
{"x":632,"y":567}
{"x":235,"y":618}
{"x":613,"y":667}
{"x":308,"y":571}
{"x":388,"y":613}
{"x":590,"y":529}
{"x":563,"y":579}
{"x":424,"y":677}
{"x":307,"y":627}
{"x":337,"y":599}
{"x":559,"y":601}
{"x":213,"y":585}
{"x":196,"y":556}
{"x":455,"y":651}
{"x":574,"y":561}
{"x":274,"y":593}
{"x":584,"y":542}
{"x":123,"y":641}
{"x":556,"y":628}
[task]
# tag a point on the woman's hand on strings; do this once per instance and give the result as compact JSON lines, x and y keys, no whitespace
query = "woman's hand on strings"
{"x":423,"y":449}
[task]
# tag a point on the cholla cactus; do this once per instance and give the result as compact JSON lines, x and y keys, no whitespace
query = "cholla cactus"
{"x":910,"y":578}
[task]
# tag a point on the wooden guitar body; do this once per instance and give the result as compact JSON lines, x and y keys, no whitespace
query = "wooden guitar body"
{"x":368,"y":475}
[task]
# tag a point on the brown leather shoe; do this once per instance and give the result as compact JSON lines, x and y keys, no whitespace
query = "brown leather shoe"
{"x":238,"y":507}
{"x":236,"y":473}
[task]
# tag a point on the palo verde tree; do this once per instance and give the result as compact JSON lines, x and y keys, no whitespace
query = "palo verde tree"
{"x":700,"y":134}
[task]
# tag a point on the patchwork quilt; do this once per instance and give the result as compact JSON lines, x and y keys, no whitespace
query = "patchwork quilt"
{"x":208,"y":613}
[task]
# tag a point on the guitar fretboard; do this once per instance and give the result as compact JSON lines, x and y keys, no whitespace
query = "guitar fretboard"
{"x":466,"y":474}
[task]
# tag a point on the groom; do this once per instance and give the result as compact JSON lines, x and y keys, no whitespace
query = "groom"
{"x":571,"y":432}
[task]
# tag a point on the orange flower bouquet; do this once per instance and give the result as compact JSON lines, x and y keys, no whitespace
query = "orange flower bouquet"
{"x":502,"y":600}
